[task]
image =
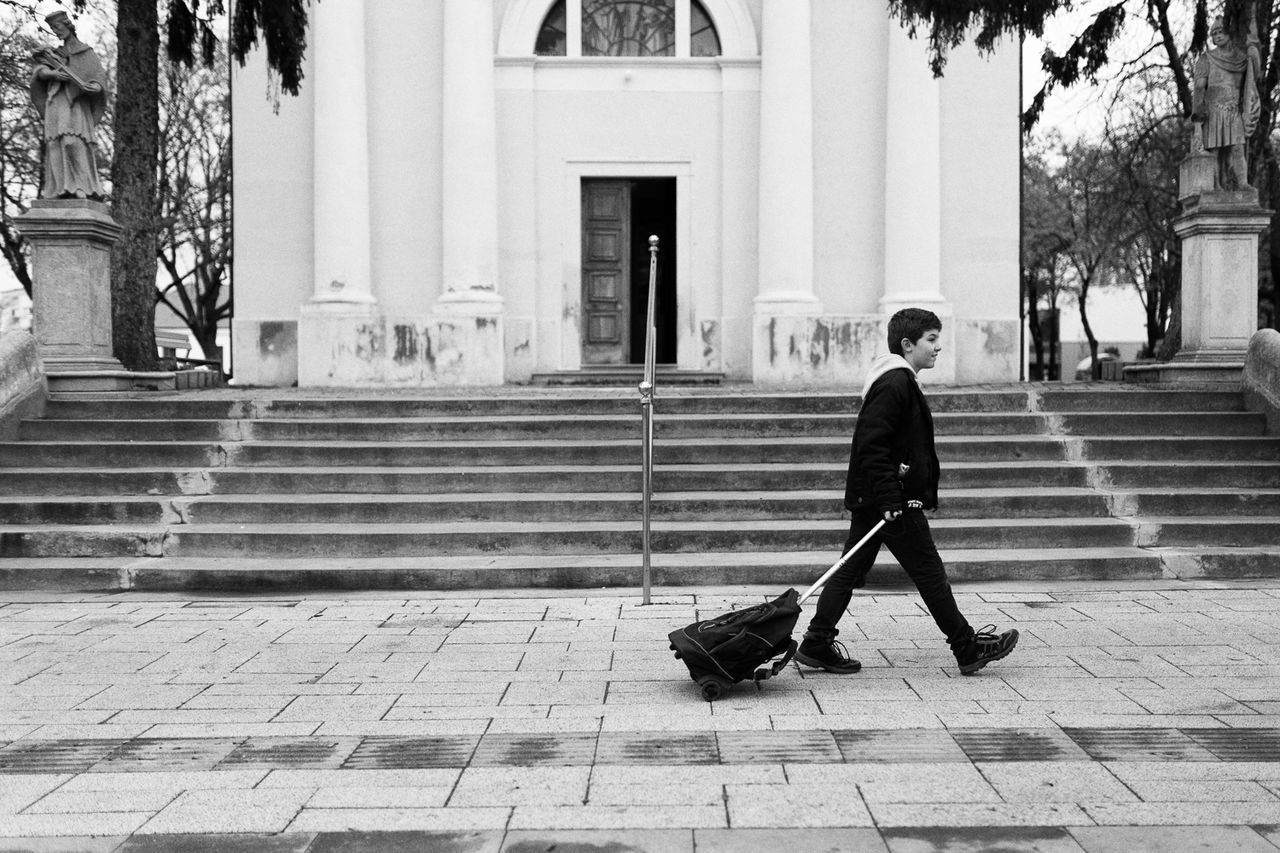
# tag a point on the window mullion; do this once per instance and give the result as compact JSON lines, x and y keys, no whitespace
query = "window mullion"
{"x":573,"y":27}
{"x":682,"y":28}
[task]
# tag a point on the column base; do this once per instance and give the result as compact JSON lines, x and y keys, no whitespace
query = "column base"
{"x":108,"y":380}
{"x":806,"y":349}
{"x":354,"y":348}
{"x":1190,"y":372}
{"x":340,"y":344}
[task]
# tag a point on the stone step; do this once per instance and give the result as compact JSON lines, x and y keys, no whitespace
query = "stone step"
{"x":610,"y":506}
{"x":781,"y":569}
{"x":238,"y":404}
{"x":607,"y":478}
{"x":1109,"y":398}
{"x":745,"y":451}
{"x":606,"y":537}
{"x":614,"y":427}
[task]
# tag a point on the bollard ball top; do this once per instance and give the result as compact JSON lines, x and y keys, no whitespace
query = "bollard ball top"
{"x":646,"y":387}
{"x":653,"y":241}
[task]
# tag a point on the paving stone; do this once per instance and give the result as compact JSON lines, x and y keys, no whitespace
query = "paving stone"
{"x":900,"y":720}
{"x":1132,"y":744}
{"x":172,"y":781}
{"x":794,"y":805}
{"x":706,"y":793}
{"x":82,"y":844}
{"x":379,"y":821}
{"x":1188,"y":814}
{"x":600,"y":841}
{"x":634,"y":748}
{"x":978,"y":814}
{"x":159,"y":754}
{"x":18,"y":792}
{"x":517,"y":786}
{"x":995,"y":839}
{"x":377,"y":753}
{"x":775,"y":747}
{"x":221,"y":811}
{"x":93,"y":802}
{"x":1058,"y":781}
{"x":522,"y":725}
{"x":42,"y":825}
{"x":182,"y":731}
{"x":271,"y":752}
{"x":55,"y":756}
{"x":1018,"y":745}
{"x":929,"y":746}
{"x":516,"y":750}
{"x":406,"y":842}
{"x":1129,"y":771}
{"x":1201,"y":790}
{"x":388,"y":797}
{"x":1238,"y":744}
{"x":403,"y":728}
{"x":422,"y":778}
{"x":613,"y":817}
{"x":1184,"y":839}
{"x":843,"y":840}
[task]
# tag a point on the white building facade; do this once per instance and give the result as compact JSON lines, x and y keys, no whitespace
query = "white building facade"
{"x":464,"y":191}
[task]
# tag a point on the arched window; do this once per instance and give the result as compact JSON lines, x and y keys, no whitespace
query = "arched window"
{"x":703,"y":38}
{"x":628,"y":28}
{"x":553,"y":36}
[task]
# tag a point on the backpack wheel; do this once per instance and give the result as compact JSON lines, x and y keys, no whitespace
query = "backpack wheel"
{"x":713,"y":688}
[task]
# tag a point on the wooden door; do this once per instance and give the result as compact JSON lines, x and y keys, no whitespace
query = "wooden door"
{"x":606,"y":272}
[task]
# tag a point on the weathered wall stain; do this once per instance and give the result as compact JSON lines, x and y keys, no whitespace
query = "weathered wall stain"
{"x":406,"y":344}
{"x":710,"y":334}
{"x":997,"y":337}
{"x":370,"y":342}
{"x":277,"y":338}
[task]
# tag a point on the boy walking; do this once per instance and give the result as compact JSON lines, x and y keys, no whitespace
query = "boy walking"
{"x":893,"y":474}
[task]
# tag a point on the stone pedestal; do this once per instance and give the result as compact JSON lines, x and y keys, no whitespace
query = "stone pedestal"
{"x":71,"y":243}
{"x":1219,"y":232}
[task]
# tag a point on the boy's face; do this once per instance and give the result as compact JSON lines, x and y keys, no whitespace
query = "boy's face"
{"x":923,"y":354}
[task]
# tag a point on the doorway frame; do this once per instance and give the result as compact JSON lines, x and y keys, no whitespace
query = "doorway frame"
{"x":571,"y":292}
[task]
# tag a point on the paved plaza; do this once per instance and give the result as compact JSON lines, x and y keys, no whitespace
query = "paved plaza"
{"x":1132,"y":717}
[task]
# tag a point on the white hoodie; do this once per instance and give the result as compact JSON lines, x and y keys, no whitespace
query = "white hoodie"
{"x":882,"y":365}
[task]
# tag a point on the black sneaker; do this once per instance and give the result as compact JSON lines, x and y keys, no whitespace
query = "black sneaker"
{"x":830,"y":655}
{"x":985,"y":647}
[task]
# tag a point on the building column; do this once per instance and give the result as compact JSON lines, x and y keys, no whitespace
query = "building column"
{"x":340,"y":334}
{"x":341,"y":145}
{"x":913,"y":190}
{"x":786,"y":162}
{"x":786,"y":310}
{"x":470,"y":188}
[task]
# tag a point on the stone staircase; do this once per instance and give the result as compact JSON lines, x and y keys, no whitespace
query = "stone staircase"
{"x":523,"y":487}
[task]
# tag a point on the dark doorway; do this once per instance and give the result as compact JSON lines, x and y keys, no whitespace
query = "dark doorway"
{"x":618,"y":217}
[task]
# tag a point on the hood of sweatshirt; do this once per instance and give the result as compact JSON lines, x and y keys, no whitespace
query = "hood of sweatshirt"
{"x":882,"y":365}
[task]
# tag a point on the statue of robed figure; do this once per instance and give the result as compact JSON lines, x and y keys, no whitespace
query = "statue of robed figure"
{"x":1226,"y":103}
{"x":69,"y":90}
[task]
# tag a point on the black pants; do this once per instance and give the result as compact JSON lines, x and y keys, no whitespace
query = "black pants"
{"x":911,"y":543}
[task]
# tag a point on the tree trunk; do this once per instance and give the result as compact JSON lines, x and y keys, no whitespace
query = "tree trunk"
{"x":133,"y":184}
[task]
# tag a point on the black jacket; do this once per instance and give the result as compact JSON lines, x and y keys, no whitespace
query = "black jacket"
{"x":894,"y":426}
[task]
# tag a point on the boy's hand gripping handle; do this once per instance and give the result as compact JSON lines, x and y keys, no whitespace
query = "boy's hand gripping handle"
{"x":826,"y":576}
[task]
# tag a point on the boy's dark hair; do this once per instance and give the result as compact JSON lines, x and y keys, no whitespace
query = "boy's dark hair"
{"x":912,"y":324}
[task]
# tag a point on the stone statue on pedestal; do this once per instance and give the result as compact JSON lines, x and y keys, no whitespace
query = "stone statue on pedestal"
{"x":69,"y":90}
{"x":1226,"y":104}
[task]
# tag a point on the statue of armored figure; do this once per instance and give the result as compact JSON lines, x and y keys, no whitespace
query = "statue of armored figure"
{"x":69,"y":90}
{"x":1225,"y":103}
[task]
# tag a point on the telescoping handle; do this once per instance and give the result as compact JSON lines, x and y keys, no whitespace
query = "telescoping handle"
{"x":848,"y":555}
